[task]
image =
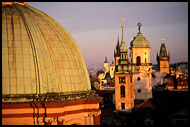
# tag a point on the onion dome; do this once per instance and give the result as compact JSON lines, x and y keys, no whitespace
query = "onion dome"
{"x":139,"y":41}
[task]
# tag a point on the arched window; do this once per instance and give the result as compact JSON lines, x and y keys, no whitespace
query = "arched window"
{"x":122,"y":91}
{"x":145,"y":60}
{"x":138,"y":60}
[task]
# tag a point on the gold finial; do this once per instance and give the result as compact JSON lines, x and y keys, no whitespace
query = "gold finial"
{"x":122,"y":20}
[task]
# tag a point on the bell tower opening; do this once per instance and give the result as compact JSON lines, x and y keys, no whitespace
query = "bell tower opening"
{"x":138,"y":60}
{"x":122,"y":91}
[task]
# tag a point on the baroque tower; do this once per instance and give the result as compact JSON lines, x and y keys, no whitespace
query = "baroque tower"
{"x":163,"y":60}
{"x":124,"y":94}
{"x":141,"y":66}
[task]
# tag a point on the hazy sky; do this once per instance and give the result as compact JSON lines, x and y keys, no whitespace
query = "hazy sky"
{"x":95,"y":26}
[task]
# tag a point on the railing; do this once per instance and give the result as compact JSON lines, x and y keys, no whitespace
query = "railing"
{"x":141,"y":64}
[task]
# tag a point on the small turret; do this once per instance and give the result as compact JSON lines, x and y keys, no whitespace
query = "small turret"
{"x":106,"y":60}
{"x":163,"y":58}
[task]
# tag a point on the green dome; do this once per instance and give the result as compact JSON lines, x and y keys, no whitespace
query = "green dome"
{"x":139,"y":41}
{"x":39,"y":55}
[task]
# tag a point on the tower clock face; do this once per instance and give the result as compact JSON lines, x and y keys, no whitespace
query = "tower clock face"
{"x":164,"y":64}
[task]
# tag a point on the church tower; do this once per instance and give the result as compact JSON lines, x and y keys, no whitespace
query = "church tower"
{"x":116,"y":53}
{"x":124,"y":94}
{"x":106,"y":66}
{"x":163,"y":60}
{"x":141,"y":66}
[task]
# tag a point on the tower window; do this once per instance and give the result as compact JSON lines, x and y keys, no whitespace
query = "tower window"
{"x":121,"y":79}
{"x":122,"y":91}
{"x":138,"y":60}
{"x":122,"y":105}
{"x":138,"y":78}
{"x":145,"y":60}
{"x":139,"y":90}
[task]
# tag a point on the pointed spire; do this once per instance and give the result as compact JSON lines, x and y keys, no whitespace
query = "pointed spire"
{"x":117,"y":47}
{"x":169,"y":54}
{"x":122,"y":26}
{"x":118,"y":40}
{"x":163,"y":51}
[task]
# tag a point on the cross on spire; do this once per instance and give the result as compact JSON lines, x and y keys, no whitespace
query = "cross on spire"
{"x":139,"y":25}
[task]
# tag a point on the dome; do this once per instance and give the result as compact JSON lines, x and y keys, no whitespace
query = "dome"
{"x":38,"y":55}
{"x":139,"y":42}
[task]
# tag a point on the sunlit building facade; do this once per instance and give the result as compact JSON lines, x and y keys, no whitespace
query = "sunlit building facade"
{"x":141,"y":66}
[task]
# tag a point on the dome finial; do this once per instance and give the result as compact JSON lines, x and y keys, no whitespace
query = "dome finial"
{"x":139,"y":25}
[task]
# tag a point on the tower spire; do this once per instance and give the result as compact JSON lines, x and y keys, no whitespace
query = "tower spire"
{"x":169,"y":54}
{"x":122,"y":26}
{"x":118,"y":40}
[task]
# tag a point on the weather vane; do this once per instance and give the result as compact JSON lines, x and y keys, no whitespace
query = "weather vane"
{"x":139,"y":25}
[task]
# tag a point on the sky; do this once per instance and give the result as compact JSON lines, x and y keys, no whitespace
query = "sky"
{"x":95,"y":26}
